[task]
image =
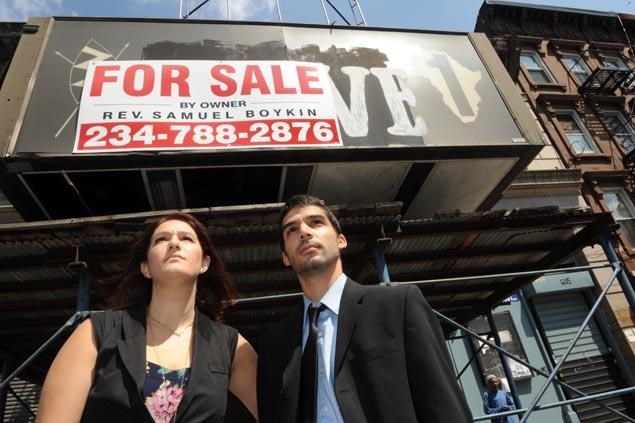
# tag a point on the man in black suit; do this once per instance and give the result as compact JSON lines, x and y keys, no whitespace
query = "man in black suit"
{"x":380,"y":354}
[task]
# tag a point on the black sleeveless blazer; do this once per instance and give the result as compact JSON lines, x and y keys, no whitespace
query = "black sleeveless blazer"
{"x":116,"y":394}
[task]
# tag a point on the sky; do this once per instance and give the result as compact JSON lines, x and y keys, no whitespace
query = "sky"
{"x":449,"y":15}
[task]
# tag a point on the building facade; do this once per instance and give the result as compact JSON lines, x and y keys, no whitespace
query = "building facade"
{"x":575,"y":70}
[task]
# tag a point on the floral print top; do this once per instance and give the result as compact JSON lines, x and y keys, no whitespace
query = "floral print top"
{"x":163,"y":390}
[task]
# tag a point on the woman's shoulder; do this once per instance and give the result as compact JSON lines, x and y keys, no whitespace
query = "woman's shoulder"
{"x":216,"y":326}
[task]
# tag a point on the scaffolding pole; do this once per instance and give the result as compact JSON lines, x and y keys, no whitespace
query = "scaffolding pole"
{"x":472,"y":357}
{"x":625,"y":283}
{"x":594,"y":397}
{"x":248,"y":300}
{"x":21,"y":401}
{"x":76,"y":318}
{"x":542,"y":348}
{"x":3,"y":391}
{"x":84,"y":289}
{"x":618,"y":268}
{"x":355,"y":4}
{"x":508,"y":372}
{"x":326,"y":15}
{"x":524,"y":363}
{"x":382,"y":267}
{"x":79,"y":268}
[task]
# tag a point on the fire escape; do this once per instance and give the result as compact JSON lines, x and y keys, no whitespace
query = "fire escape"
{"x":606,"y":81}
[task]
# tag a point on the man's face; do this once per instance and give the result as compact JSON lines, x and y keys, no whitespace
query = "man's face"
{"x":493,"y":383}
{"x":311,"y":243}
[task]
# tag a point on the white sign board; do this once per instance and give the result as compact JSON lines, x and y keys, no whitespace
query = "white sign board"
{"x":205,"y":105}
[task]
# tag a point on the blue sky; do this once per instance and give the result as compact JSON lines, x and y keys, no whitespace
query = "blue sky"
{"x":451,"y":15}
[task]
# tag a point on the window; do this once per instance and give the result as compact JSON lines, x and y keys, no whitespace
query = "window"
{"x":576,"y":66}
{"x":488,"y":359}
{"x":535,"y":67}
{"x":614,"y":62}
{"x":577,"y":135}
{"x":622,"y":209}
{"x":622,"y":131}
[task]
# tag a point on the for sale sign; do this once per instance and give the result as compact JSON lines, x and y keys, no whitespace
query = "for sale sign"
{"x":179,"y":105}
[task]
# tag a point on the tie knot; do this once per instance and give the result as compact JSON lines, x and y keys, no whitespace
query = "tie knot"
{"x":314,"y":312}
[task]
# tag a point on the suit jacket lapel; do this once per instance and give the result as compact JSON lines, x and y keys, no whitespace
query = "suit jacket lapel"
{"x":350,"y":306}
{"x":292,"y":356}
{"x":132,"y":348}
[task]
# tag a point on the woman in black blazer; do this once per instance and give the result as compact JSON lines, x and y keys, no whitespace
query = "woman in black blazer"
{"x":160,"y":354}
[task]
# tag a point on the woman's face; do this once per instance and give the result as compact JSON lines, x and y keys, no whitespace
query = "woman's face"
{"x":174,"y":252}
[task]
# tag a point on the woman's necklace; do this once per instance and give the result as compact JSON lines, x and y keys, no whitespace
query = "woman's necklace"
{"x":156,"y":352}
{"x":177,"y":331}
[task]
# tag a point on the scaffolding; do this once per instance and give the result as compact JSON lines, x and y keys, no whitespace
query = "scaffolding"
{"x":85,"y":279}
{"x":356,"y":17}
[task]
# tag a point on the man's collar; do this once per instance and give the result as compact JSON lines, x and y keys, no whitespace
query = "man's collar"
{"x":332,"y":297}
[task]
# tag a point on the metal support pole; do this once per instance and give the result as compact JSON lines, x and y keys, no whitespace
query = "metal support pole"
{"x":458,"y":376}
{"x":508,"y":372}
{"x":326,"y":15}
{"x":504,"y":275}
{"x":524,"y":363}
{"x":71,"y":322}
{"x":432,"y":281}
{"x":3,"y":391}
{"x":21,"y":401}
{"x":543,"y":389}
{"x":83,"y":292}
{"x":80,"y":268}
{"x":543,"y":349}
{"x":279,"y":13}
{"x":380,"y":262}
{"x":625,"y":283}
{"x":361,"y":13}
{"x":595,"y":397}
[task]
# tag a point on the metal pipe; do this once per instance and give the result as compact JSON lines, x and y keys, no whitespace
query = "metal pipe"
{"x":267,"y":297}
{"x":429,"y":281}
{"x":594,"y":397}
{"x":279,"y":14}
{"x":502,"y":275}
{"x":3,"y":392}
{"x":326,"y":15}
{"x":524,"y":363}
{"x":361,"y":13}
{"x":21,"y":401}
{"x":338,"y":12}
{"x":83,"y":292}
{"x":508,"y":372}
{"x":543,"y":389}
{"x":541,"y":345}
{"x":627,"y":288}
{"x":380,"y":262}
{"x":72,"y":321}
{"x":458,"y":376}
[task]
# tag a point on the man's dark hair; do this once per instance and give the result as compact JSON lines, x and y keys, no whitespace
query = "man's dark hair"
{"x":303,"y":200}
